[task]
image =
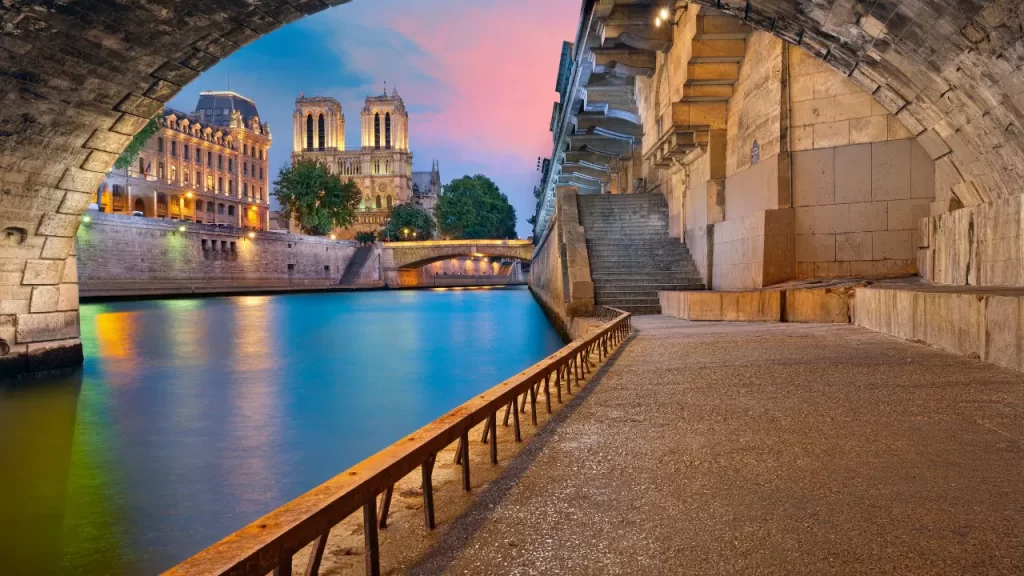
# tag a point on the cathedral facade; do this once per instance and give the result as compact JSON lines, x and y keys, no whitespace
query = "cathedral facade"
{"x":381,"y":166}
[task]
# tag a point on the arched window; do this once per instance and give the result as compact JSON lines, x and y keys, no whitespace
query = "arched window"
{"x":390,"y":202}
{"x":378,"y":201}
{"x":309,"y":131}
{"x":220,"y":208}
{"x":376,"y":130}
{"x":376,"y":166}
{"x":387,"y":130}
{"x":231,"y":210}
{"x":160,"y":170}
{"x":209,"y":207}
{"x":199,"y":205}
{"x":140,"y":206}
{"x":142,"y":166}
{"x":322,"y":131}
{"x":174,"y":173}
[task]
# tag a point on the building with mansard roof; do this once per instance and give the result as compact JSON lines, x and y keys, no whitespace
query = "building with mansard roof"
{"x":381,"y":165}
{"x":209,"y":166}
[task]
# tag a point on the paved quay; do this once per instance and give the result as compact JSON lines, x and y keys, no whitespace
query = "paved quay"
{"x":711,"y":448}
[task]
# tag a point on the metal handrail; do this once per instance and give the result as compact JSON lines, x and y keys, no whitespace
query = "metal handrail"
{"x":270,"y":542}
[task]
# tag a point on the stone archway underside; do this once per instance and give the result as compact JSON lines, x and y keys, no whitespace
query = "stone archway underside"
{"x":950,"y":70}
{"x":79,"y":77}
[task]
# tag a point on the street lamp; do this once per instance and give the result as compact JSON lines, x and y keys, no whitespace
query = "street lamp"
{"x":664,"y":15}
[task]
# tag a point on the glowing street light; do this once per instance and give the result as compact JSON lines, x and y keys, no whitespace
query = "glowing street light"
{"x":181,"y":228}
{"x":86,"y":218}
{"x":333,"y":237}
{"x":664,"y":14}
{"x":252,"y":235}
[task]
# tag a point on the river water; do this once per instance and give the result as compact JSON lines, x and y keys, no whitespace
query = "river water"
{"x":194,"y":417}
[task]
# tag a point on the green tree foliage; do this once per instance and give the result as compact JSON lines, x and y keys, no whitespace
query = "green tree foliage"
{"x":472,"y":207}
{"x":131,"y":152}
{"x":365,"y":237}
{"x":319,"y":200}
{"x":408,"y":222}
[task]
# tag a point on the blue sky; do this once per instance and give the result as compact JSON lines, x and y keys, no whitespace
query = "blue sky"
{"x":477,"y":78}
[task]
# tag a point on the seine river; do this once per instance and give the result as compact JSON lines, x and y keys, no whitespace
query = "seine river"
{"x":193,"y":417}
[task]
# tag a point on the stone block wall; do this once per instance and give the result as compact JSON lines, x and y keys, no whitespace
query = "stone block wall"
{"x":754,"y":251}
{"x":117,"y":253}
{"x":980,"y":245}
{"x":857,"y":208}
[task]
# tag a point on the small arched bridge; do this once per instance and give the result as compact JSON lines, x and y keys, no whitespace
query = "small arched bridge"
{"x":397,"y":257}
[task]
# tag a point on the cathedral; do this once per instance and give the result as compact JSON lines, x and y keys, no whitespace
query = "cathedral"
{"x":382,"y":164}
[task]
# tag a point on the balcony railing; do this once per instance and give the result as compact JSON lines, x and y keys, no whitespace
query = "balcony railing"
{"x":268,"y":544}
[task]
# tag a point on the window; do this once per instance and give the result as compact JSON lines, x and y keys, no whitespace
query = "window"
{"x":160,"y":170}
{"x":209,"y":159}
{"x":174,"y":148}
{"x":220,"y":161}
{"x":322,"y":131}
{"x":231,"y":165}
{"x":160,"y":145}
{"x":261,"y":153}
{"x":199,"y":205}
{"x":174,"y":173}
{"x":233,"y":248}
{"x":209,"y":207}
{"x":206,"y":245}
{"x":387,"y":131}
{"x":223,"y":245}
{"x":231,"y":210}
{"x":184,"y":150}
{"x":376,"y":130}
{"x":245,"y":149}
{"x":142,"y":165}
{"x":245,"y":168}
{"x":209,"y":181}
{"x":261,"y":172}
{"x":309,"y":131}
{"x":389,"y":202}
{"x":245,"y":189}
{"x":199,"y":157}
{"x":378,"y":202}
{"x":231,"y":187}
{"x":185,"y":176}
{"x":261,"y":192}
{"x":220,"y":184}
{"x":220,"y":208}
{"x":291,"y":267}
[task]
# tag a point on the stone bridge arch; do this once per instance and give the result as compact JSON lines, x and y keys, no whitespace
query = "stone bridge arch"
{"x":405,"y":256}
{"x":78,"y":78}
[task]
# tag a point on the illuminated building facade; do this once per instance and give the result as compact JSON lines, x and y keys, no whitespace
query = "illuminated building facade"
{"x":207,"y":167}
{"x":382,"y":164}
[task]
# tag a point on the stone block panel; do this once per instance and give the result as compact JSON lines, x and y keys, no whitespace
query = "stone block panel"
{"x":44,"y":327}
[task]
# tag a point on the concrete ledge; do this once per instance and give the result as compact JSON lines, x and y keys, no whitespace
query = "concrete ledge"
{"x":982,"y":323}
{"x":172,"y":287}
{"x":42,"y":357}
{"x":828,"y":304}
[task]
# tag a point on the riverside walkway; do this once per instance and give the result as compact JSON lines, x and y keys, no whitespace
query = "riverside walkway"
{"x":709,"y":448}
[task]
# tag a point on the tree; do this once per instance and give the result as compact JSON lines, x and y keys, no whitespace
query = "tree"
{"x":365,"y":237}
{"x":408,"y":222}
{"x":319,"y":200}
{"x":131,"y":152}
{"x":472,"y":207}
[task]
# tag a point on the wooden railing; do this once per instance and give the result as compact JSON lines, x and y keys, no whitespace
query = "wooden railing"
{"x":269,"y":543}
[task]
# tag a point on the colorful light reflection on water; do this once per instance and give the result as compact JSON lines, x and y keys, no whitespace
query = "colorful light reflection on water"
{"x":194,"y":417}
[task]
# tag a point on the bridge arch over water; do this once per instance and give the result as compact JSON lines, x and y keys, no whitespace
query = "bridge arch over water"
{"x":79,"y":79}
{"x":403,"y":259}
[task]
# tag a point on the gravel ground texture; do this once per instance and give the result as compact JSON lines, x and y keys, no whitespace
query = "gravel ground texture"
{"x":713,"y":448}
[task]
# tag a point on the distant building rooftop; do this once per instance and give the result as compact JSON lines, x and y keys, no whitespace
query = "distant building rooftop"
{"x":215,"y":107}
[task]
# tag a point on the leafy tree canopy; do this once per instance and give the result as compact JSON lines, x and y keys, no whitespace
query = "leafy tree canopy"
{"x":131,"y":152}
{"x":319,"y":200}
{"x":408,"y":222}
{"x":472,"y":207}
{"x":365,"y":237}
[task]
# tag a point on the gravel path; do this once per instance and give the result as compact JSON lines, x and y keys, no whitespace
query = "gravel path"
{"x":708,"y":448}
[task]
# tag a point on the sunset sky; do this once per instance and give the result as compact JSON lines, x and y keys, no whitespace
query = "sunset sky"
{"x":477,"y":76}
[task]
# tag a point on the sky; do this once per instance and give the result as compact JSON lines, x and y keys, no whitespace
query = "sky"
{"x":477,"y":78}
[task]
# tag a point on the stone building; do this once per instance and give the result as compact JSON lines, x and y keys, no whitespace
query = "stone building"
{"x":382,"y":164}
{"x":207,"y":167}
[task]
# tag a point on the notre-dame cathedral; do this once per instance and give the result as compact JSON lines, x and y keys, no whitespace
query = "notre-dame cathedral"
{"x":382,"y":164}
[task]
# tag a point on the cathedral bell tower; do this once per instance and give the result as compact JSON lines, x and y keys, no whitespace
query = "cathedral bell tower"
{"x":319,"y":125}
{"x":385,"y":123}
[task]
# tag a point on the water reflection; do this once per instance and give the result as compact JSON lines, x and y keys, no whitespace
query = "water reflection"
{"x":192,"y":418}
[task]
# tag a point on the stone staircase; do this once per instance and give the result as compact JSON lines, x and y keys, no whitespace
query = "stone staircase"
{"x":355,"y":265}
{"x":631,"y":254}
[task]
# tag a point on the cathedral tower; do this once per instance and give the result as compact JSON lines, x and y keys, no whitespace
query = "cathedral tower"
{"x":319,"y":125}
{"x":385,"y":123}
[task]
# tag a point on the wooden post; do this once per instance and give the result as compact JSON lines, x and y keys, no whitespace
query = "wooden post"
{"x":458,"y":452}
{"x":284,"y":565}
{"x":370,"y":539}
{"x":508,"y":410}
{"x":385,"y":506}
{"x":464,"y":443}
{"x":317,"y":555}
{"x":547,"y":392}
{"x":533,"y":404}
{"x":492,"y":422}
{"x":558,"y":384}
{"x":427,"y":469}
{"x":515,"y":425}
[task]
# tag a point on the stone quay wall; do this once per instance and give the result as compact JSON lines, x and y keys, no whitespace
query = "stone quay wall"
{"x":130,"y":256}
